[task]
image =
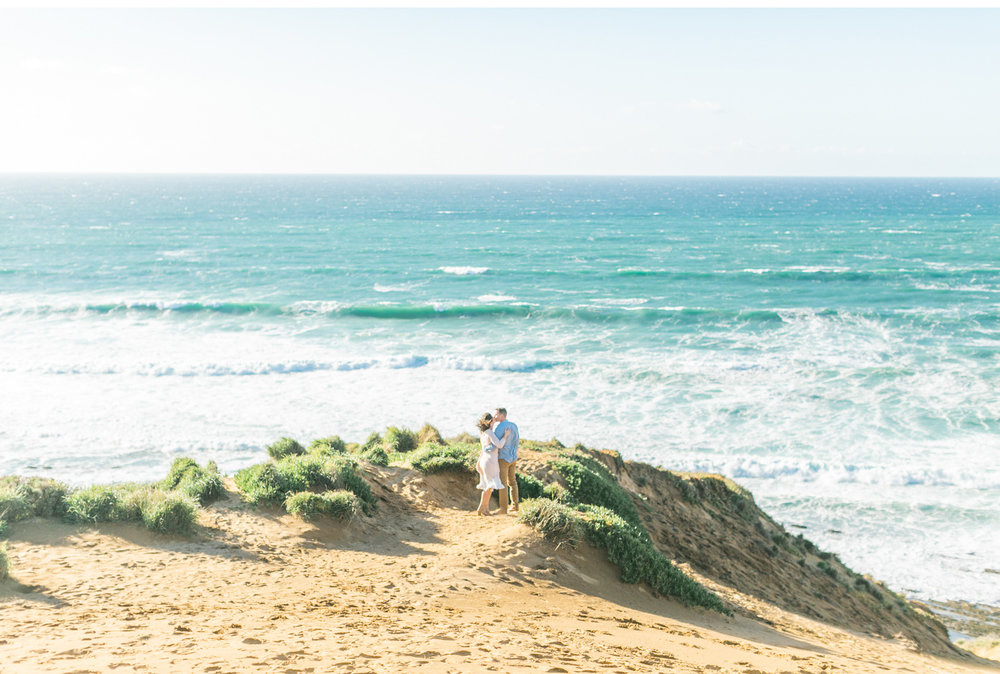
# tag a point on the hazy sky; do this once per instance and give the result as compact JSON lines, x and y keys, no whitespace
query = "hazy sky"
{"x":649,"y":91}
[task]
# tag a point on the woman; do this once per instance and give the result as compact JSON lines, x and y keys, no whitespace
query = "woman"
{"x":488,"y":465}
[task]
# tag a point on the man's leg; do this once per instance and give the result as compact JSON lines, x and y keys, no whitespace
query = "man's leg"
{"x":512,"y":488}
{"x":504,"y":466}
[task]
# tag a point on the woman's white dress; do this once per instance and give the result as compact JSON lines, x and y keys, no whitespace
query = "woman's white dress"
{"x":488,"y":464}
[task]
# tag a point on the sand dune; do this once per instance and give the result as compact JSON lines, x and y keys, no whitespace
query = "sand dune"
{"x":422,"y":585}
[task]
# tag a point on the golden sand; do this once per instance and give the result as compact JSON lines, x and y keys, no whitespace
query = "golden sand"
{"x":422,"y":585}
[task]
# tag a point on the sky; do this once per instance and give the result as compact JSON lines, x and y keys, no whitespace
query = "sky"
{"x":842,"y":92}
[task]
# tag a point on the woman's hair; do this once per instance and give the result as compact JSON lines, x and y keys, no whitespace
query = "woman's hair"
{"x":484,"y":421}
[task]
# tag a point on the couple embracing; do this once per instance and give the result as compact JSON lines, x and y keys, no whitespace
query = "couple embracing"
{"x":499,"y":439}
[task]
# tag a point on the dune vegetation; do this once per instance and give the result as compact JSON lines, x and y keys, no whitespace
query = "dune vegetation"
{"x":580,"y":502}
{"x":168,"y":506}
{"x":571,"y":496}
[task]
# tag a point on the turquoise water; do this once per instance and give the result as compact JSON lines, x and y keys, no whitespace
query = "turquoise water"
{"x":832,"y":344}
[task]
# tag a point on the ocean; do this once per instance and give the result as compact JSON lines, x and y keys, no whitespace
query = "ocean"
{"x":831,"y":344}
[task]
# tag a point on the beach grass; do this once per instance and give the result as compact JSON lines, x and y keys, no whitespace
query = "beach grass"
{"x":273,"y":482}
{"x":302,"y":473}
{"x":22,"y":497}
{"x":552,"y":445}
{"x":399,"y":440}
{"x":376,"y":455}
{"x":168,"y":512}
{"x":529,"y":486}
{"x":347,"y":475}
{"x":627,"y":545}
{"x":586,"y":502}
{"x":373,"y":439}
{"x":588,"y":481}
{"x":4,"y":563}
{"x":555,"y":521}
{"x":98,"y":503}
{"x":162,"y":511}
{"x":429,"y":434}
{"x":13,"y":505}
{"x":285,"y":447}
{"x":435,"y":458}
{"x":168,"y":506}
{"x":558,"y":493}
{"x":260,"y":483}
{"x":308,"y":505}
{"x":328,"y":446}
{"x":579,"y":498}
{"x":186,"y":476}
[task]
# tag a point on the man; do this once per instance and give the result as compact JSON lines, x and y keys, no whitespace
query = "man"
{"x":508,"y":460}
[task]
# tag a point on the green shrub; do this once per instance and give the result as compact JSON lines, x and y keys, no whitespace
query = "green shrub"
{"x":399,"y":440}
{"x":330,"y":445}
{"x":373,"y":440}
{"x":441,"y":458}
{"x":161,"y":511}
{"x":308,"y":505}
{"x":3,"y":528}
{"x":550,"y":446}
{"x":628,"y":547}
{"x":529,"y":486}
{"x":553,"y":520}
{"x":125,"y":502}
{"x":98,"y":503}
{"x":429,"y":434}
{"x":341,"y":504}
{"x":303,"y":473}
{"x":284,"y":447}
{"x":203,"y":488}
{"x":13,"y":504}
{"x":588,"y":481}
{"x":274,"y":482}
{"x":463,"y":439}
{"x":305,"y":504}
{"x":131,"y":499}
{"x":22,"y":497}
{"x":169,"y":512}
{"x":827,"y":569}
{"x":556,"y":492}
{"x":376,"y":455}
{"x":178,"y":470}
{"x":344,"y":471}
{"x":689,"y":492}
{"x":49,"y":497}
{"x":186,"y":476}
{"x":260,"y":483}
{"x":4,"y":563}
{"x":804,"y":544}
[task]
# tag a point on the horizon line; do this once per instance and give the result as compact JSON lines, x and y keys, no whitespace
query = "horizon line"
{"x":6,"y":174}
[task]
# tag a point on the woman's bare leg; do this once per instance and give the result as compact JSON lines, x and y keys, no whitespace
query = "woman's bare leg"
{"x":484,"y":502}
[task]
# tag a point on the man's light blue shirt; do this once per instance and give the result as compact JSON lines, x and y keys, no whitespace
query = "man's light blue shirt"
{"x":508,"y":452}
